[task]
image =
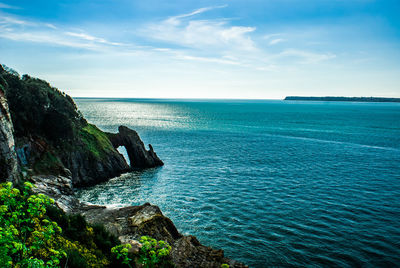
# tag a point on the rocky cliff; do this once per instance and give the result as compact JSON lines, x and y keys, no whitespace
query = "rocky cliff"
{"x":57,"y":149}
{"x":132,"y":222}
{"x":52,"y":136}
{"x":138,"y":155}
{"x":8,"y":157}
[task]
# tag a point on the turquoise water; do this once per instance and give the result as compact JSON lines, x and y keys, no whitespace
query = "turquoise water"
{"x":273,"y":183}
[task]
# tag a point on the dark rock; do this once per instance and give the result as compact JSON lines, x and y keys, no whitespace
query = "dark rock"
{"x":54,"y":137}
{"x":88,"y":170}
{"x":8,"y":158}
{"x":137,"y":153}
{"x":130,"y":223}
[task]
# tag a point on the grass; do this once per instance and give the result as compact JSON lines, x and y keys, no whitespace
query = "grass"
{"x":96,"y":141}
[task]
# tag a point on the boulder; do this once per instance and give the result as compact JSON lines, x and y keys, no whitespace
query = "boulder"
{"x":130,"y":223}
{"x":58,"y":188}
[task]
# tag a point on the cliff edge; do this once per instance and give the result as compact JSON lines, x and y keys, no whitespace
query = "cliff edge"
{"x":52,"y":136}
{"x":46,"y":139}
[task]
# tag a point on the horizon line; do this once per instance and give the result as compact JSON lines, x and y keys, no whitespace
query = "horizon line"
{"x":178,"y":98}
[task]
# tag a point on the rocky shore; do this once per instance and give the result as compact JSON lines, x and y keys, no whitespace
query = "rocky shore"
{"x":132,"y":222}
{"x":45,"y":139}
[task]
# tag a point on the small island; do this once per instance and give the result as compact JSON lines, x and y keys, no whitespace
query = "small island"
{"x":353,"y":99}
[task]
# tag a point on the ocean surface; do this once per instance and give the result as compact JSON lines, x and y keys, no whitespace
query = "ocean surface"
{"x":273,"y":183}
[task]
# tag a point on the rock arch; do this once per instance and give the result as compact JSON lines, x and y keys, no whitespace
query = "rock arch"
{"x":137,"y":153}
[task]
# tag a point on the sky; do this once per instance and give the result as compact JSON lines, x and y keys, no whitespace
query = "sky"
{"x":249,"y":49}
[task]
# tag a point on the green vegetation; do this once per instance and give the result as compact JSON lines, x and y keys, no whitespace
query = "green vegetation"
{"x":154,"y":253}
{"x":38,"y":109}
{"x":121,"y":252}
{"x":96,"y":140}
{"x":224,"y":265}
{"x":34,"y":233}
{"x":31,"y":233}
{"x":27,"y":237}
{"x":49,"y":121}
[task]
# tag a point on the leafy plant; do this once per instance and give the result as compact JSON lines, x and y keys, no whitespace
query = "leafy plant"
{"x":34,"y":233}
{"x":31,"y":233}
{"x":121,"y":252}
{"x":27,"y":237}
{"x":154,"y":253}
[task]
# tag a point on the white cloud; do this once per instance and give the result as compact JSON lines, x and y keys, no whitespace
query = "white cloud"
{"x":306,"y":56}
{"x":183,"y":38}
{"x":276,"y":41}
{"x":201,"y":34}
{"x":5,"y":6}
{"x":174,"y":20}
{"x":51,"y":26}
{"x":45,"y":37}
{"x":92,"y":38}
{"x":17,"y":29}
{"x":218,"y":41}
{"x":9,"y":20}
{"x":270,"y":36}
{"x":206,"y":59}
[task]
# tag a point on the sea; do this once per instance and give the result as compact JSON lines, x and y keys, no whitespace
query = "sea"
{"x":274,"y":183}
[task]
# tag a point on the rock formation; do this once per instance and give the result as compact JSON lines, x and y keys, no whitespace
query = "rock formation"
{"x":137,"y":153}
{"x":88,"y":170}
{"x":51,"y":135}
{"x":54,"y":139}
{"x":132,"y":222}
{"x":8,"y":157}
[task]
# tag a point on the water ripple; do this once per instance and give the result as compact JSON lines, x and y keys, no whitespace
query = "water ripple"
{"x":272,"y":183}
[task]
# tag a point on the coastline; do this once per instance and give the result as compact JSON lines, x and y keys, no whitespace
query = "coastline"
{"x":49,"y":143}
{"x":349,"y":99}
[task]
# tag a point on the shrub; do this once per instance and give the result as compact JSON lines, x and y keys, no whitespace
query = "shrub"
{"x":121,"y":252}
{"x":27,"y":237}
{"x":34,"y":233}
{"x":154,"y":253}
{"x":31,"y":233}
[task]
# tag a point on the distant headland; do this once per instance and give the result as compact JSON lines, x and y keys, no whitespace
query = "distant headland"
{"x":356,"y":99}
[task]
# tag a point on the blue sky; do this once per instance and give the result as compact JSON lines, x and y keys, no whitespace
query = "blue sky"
{"x":206,"y":49}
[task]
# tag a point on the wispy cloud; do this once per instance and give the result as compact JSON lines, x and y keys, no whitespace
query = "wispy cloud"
{"x":24,"y":30}
{"x":276,"y":41}
{"x":91,"y":38}
{"x":195,"y":12}
{"x":10,"y":20}
{"x":208,"y":59}
{"x":191,"y":37}
{"x":201,"y":33}
{"x":52,"y":26}
{"x":184,"y":37}
{"x":5,"y":6}
{"x":306,"y":56}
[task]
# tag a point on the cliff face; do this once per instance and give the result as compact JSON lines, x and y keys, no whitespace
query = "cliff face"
{"x":59,"y":150}
{"x":52,"y":136}
{"x":8,"y":157}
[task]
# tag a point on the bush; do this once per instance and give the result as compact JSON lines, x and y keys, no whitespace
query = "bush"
{"x":33,"y":233}
{"x":27,"y":237}
{"x":154,"y":253}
